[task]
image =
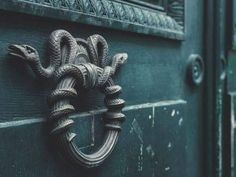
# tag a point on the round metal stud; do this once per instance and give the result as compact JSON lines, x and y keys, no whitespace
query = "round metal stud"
{"x":195,"y":70}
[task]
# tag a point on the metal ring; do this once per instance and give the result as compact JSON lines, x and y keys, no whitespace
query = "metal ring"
{"x":62,"y":108}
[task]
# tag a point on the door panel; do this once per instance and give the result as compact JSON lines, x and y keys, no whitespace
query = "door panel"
{"x":162,"y":134}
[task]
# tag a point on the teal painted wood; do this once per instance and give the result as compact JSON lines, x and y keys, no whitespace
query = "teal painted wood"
{"x":29,"y":88}
{"x":233,"y":18}
{"x":157,"y":140}
{"x":229,"y":150}
{"x":137,"y":154}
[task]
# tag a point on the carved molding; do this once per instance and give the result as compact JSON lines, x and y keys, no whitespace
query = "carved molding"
{"x":175,"y":9}
{"x":109,"y":13}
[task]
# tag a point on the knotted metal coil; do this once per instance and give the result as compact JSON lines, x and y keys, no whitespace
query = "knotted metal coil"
{"x":77,"y":63}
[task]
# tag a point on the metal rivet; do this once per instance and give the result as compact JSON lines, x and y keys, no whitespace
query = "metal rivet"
{"x":195,"y":70}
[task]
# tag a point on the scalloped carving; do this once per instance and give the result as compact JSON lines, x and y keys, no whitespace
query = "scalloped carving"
{"x":114,"y":14}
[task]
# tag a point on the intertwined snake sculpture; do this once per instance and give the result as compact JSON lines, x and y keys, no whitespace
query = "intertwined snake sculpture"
{"x":77,"y":63}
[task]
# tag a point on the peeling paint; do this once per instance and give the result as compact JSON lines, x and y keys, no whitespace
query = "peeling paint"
{"x":150,"y":117}
{"x":131,"y":130}
{"x":30,"y":120}
{"x":140,"y":159}
{"x":92,"y":130}
{"x":156,"y":104}
{"x":137,"y":129}
{"x":153,"y":116}
{"x":150,"y":150}
{"x":219,"y":131}
{"x":177,"y":112}
{"x":141,"y":149}
{"x":169,"y":145}
{"x":167,"y":168}
{"x":180,"y":121}
{"x":173,"y":113}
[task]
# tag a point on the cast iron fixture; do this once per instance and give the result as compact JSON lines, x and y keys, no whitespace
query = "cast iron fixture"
{"x":78,"y":64}
{"x":195,"y":70}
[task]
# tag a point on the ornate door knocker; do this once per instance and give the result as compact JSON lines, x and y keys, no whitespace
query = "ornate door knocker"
{"x":78,"y":64}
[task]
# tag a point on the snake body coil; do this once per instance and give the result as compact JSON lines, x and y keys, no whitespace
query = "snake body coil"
{"x":71,"y":68}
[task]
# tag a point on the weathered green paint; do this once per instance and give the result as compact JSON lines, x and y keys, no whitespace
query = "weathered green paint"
{"x":229,"y":121}
{"x":164,"y":131}
{"x":146,"y":155}
{"x":233,"y":22}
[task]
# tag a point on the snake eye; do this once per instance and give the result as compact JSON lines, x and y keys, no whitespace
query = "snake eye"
{"x":123,"y":57}
{"x":29,"y":49}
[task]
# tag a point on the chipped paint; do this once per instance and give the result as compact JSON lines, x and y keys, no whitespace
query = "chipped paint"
{"x":141,"y":149}
{"x":153,"y":116}
{"x":150,"y":150}
{"x":156,"y":104}
{"x":30,"y":120}
{"x":92,"y":130}
{"x":153,"y":168}
{"x":131,"y":130}
{"x":169,"y":145}
{"x":17,"y":123}
{"x":232,"y":136}
{"x":173,"y":113}
{"x":140,"y":159}
{"x":150,"y":117}
{"x":153,"y":111}
{"x":167,"y":168}
{"x":177,"y":112}
{"x":219,"y":110}
{"x":137,"y":129}
{"x":180,"y":121}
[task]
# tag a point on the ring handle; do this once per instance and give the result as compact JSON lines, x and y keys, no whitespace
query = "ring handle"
{"x":78,"y":64}
{"x":69,"y":77}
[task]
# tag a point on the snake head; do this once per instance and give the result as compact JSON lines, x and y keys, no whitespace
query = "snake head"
{"x":120,"y":58}
{"x":23,"y":52}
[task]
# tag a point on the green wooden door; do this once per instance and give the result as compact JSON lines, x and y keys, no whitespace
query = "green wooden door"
{"x":163,"y":134}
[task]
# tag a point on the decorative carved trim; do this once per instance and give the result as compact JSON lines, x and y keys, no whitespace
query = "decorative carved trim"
{"x":107,"y":13}
{"x":175,"y":9}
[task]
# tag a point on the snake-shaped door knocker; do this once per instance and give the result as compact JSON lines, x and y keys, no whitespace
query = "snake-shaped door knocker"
{"x":76,"y":63}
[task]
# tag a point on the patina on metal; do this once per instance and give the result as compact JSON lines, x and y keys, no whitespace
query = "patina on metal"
{"x":78,"y":64}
